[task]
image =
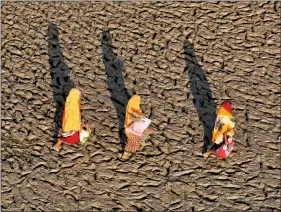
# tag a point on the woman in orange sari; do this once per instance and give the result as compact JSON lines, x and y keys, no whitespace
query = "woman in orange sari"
{"x":133,"y":113}
{"x":222,"y":138}
{"x":71,"y":120}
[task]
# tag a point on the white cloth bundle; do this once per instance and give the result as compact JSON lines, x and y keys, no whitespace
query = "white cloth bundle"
{"x":138,"y":127}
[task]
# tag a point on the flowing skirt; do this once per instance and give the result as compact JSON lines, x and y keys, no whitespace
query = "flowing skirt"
{"x":72,"y":138}
{"x":134,"y":141}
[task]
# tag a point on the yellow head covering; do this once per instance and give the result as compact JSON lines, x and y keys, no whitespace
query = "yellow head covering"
{"x":72,"y":118}
{"x":132,"y":107}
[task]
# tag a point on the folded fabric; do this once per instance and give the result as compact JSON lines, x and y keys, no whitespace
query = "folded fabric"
{"x":68,"y":134}
{"x":138,"y":127}
{"x":84,"y":135}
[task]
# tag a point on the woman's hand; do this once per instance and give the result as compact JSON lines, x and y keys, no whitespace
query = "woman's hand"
{"x":137,"y":115}
{"x":137,"y":118}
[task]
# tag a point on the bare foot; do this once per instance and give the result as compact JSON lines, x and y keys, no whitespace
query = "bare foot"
{"x":207,"y":154}
{"x":124,"y":156}
{"x":56,"y":148}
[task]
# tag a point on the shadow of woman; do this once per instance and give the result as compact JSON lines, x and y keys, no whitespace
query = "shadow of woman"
{"x":202,"y":94}
{"x":115,"y":82}
{"x":60,"y":81}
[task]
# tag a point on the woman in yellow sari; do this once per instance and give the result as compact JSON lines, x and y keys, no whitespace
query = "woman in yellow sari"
{"x":133,"y":113}
{"x":71,"y":120}
{"x":223,"y":132}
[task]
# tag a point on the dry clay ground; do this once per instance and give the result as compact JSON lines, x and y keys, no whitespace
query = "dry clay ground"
{"x":236,"y":44}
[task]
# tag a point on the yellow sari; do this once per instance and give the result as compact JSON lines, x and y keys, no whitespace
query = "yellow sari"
{"x":72,"y":115}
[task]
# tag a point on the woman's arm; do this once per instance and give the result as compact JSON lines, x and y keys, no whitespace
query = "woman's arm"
{"x":134,"y":118}
{"x":225,"y":139}
{"x":137,"y":115}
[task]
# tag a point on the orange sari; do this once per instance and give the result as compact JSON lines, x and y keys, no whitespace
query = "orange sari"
{"x":224,"y":130}
{"x":224,"y":123}
{"x":132,"y":107}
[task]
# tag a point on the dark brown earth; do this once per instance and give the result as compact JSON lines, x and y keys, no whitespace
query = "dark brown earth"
{"x":237,"y":46}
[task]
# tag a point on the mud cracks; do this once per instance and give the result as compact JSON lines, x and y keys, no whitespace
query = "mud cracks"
{"x":237,"y":55}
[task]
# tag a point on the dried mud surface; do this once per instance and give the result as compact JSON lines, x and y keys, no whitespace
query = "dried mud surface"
{"x":237,"y":47}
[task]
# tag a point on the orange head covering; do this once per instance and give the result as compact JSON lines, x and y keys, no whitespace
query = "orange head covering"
{"x":132,"y":107}
{"x":227,"y":106}
{"x":225,"y":109}
{"x":72,"y":117}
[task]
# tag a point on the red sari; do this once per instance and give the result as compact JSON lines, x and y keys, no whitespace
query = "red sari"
{"x":73,"y":137}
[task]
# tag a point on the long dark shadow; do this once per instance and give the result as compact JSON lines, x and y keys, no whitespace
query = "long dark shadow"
{"x":115,"y":81}
{"x":60,"y":80}
{"x":201,"y":92}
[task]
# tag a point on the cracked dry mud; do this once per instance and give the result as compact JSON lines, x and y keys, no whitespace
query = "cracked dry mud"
{"x":237,"y":46}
